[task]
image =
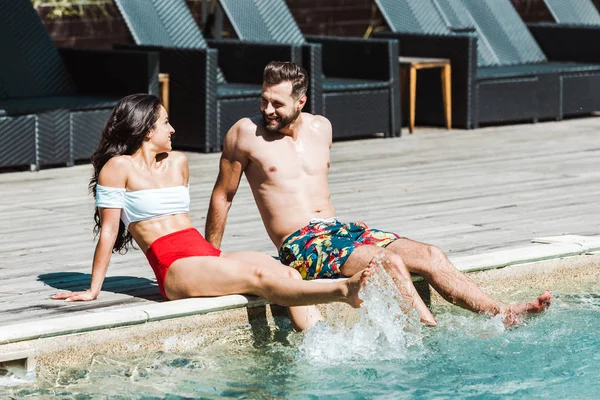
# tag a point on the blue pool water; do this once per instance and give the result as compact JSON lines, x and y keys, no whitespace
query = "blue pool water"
{"x":378,"y":353}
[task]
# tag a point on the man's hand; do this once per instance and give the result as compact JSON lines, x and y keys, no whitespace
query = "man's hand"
{"x":75,"y":296}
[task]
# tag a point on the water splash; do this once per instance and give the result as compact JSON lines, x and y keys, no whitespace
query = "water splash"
{"x":387,"y":328}
{"x":10,"y":376}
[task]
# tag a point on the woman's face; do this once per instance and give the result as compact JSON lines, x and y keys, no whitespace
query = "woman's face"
{"x":162,"y":131}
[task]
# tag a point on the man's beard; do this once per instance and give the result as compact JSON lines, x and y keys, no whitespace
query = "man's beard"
{"x":283,"y":123}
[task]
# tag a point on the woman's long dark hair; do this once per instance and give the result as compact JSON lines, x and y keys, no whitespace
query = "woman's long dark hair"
{"x":125,"y":130}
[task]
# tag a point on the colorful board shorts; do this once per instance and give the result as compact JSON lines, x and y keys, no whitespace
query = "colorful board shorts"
{"x":319,"y":249}
{"x":167,"y":249}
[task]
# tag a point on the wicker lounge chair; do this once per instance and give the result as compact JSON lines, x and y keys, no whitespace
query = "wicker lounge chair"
{"x":354,"y":82}
{"x":574,"y":12}
{"x":500,"y":73}
{"x":206,"y":99}
{"x":54,"y":102}
{"x":574,"y":37}
{"x":567,"y":84}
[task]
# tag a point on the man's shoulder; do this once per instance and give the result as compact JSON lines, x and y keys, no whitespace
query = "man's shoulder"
{"x":242,"y":136}
{"x":247,"y":125}
{"x":319,"y":126}
{"x":317,"y":122}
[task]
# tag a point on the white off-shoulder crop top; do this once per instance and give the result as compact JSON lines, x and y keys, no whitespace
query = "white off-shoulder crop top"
{"x":141,"y":205}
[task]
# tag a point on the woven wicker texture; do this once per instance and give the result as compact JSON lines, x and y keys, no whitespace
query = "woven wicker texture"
{"x":577,"y":12}
{"x":167,"y":23}
{"x":436,"y":17}
{"x":35,"y":67}
{"x":535,"y":69}
{"x":454,"y":14}
{"x":85,"y":132}
{"x":20,"y":133}
{"x":263,"y":20}
{"x":500,"y":28}
{"x":413,"y":16}
{"x":161,"y":23}
{"x":53,"y":137}
{"x":339,"y":68}
{"x":41,"y":104}
{"x":51,"y":87}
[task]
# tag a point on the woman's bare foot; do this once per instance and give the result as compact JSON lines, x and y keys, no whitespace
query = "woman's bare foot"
{"x":354,"y":284}
{"x":517,"y":312}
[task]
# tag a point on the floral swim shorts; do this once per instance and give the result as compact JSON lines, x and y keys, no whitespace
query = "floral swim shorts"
{"x":319,"y":249}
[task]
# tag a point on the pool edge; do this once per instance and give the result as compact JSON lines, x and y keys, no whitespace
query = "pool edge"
{"x":27,"y":335}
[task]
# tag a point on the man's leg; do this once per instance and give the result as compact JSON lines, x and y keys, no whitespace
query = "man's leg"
{"x":395,"y":267}
{"x":431,"y":263}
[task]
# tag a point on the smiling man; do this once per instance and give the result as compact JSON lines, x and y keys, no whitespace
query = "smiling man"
{"x":285,"y":155}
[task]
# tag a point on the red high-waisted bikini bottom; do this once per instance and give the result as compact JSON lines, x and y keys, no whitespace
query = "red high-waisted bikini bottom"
{"x":167,"y":249}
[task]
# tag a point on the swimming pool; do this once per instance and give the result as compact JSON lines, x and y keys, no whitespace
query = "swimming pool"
{"x":379,"y":353}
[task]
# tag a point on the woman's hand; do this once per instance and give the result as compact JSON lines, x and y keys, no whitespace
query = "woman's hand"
{"x":75,"y":296}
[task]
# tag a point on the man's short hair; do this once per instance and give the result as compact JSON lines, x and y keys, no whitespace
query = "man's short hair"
{"x":286,"y":71}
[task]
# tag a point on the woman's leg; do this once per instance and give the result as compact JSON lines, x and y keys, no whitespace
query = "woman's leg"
{"x":218,"y":276}
{"x":302,"y":317}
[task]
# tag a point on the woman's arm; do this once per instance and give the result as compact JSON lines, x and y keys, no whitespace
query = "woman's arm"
{"x":106,"y":240}
{"x":112,"y":175}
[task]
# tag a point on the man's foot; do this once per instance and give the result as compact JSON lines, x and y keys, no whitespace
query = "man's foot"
{"x":517,"y":312}
{"x":355,"y":283}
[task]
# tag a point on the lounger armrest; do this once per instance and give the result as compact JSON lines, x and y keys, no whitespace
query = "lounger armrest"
{"x":356,"y":57}
{"x":461,"y":49}
{"x":184,"y":66}
{"x":112,"y":73}
{"x":462,"y":29}
{"x":568,"y":42}
{"x":435,"y":46}
{"x":244,"y":62}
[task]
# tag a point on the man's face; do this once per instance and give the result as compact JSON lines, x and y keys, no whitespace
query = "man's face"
{"x":278,"y":106}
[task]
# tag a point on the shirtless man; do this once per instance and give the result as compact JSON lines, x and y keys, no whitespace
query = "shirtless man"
{"x":285,"y":155}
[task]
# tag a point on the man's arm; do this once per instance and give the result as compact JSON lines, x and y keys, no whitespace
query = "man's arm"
{"x":232,"y":164}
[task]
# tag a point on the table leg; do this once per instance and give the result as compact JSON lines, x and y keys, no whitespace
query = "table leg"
{"x":163,"y":80}
{"x":413,"y":98}
{"x":447,"y":94}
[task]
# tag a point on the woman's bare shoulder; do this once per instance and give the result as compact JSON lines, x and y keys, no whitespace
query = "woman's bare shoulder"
{"x":177,"y":156}
{"x":114,"y":173}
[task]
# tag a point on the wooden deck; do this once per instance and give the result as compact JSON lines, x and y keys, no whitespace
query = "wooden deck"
{"x":469,"y":192}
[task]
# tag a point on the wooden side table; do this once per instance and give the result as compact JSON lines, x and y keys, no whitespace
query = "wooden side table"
{"x":163,"y":81}
{"x":412,"y":65}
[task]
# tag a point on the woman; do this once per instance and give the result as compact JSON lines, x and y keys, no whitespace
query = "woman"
{"x":142,"y":194}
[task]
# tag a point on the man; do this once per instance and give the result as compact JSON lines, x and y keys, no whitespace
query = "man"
{"x":285,"y":155}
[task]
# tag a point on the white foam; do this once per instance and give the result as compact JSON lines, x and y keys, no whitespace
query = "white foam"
{"x":383,"y":330}
{"x":478,"y":326}
{"x":16,"y":377}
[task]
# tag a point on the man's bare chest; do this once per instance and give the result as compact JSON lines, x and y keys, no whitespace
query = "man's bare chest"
{"x":290,"y":161}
